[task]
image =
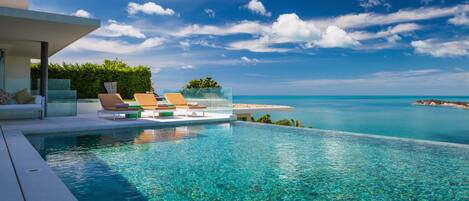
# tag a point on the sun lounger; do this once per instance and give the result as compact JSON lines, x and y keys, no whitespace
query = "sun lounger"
{"x":148,"y":102}
{"x":178,"y":100}
{"x":113,"y":104}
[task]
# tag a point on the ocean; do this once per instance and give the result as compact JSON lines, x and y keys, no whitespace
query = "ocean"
{"x":395,"y":116}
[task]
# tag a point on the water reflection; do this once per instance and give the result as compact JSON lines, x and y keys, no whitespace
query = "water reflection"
{"x":46,"y":144}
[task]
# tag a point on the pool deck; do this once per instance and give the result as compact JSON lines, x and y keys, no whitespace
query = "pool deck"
{"x":26,"y":176}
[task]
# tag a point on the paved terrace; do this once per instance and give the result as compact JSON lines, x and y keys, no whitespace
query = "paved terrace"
{"x":26,"y":176}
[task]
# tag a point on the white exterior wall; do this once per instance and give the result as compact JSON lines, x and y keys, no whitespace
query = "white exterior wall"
{"x":17,"y":73}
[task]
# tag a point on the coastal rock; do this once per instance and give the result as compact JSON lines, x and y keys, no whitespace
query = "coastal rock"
{"x":434,"y":102}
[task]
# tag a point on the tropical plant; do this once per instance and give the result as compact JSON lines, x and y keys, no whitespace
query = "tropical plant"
{"x":204,"y":83}
{"x":202,"y":88}
{"x":264,"y":119}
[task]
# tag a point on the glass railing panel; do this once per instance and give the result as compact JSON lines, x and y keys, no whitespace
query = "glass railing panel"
{"x":61,"y":101}
{"x":217,"y":100}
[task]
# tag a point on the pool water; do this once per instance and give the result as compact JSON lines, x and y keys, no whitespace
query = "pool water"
{"x":242,"y":161}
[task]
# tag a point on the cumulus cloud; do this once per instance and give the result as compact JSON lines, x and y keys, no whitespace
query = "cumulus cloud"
{"x":114,"y":46}
{"x":149,"y":8}
{"x":82,"y":13}
{"x":336,"y":37}
{"x":210,"y":13}
{"x":441,"y":49}
{"x":257,"y":7}
{"x":289,"y":28}
{"x":116,"y":29}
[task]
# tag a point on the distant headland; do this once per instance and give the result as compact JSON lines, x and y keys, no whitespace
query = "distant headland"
{"x":434,"y":102}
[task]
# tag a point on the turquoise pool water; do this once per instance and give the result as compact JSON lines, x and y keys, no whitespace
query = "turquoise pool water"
{"x":381,"y":115}
{"x":240,"y":161}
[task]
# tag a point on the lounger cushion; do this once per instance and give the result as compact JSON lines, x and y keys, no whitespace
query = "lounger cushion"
{"x":193,"y":107}
{"x":122,"y":105}
{"x":120,"y":109}
{"x":157,"y":108}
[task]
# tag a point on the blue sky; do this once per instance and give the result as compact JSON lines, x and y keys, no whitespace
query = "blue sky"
{"x":267,"y":47}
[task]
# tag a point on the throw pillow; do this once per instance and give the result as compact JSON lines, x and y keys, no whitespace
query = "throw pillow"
{"x":23,"y":97}
{"x":5,"y":97}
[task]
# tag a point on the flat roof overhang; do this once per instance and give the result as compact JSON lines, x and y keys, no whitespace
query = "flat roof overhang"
{"x":22,"y":31}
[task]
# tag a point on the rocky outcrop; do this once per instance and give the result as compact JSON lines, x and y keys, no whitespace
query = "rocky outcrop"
{"x":433,"y":102}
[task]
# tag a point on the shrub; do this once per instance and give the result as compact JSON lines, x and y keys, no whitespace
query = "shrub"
{"x":88,"y":79}
{"x":265,"y":119}
{"x":284,"y":122}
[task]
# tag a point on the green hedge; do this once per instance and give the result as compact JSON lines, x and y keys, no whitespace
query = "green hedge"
{"x":88,"y":79}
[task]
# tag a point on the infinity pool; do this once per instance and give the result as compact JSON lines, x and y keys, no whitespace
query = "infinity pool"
{"x":241,"y":161}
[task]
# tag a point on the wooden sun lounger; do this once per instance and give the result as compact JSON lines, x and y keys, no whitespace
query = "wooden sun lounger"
{"x":178,"y":100}
{"x":109,"y":102}
{"x":149,"y":103}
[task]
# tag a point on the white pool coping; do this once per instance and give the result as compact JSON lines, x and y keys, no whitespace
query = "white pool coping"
{"x":26,"y":176}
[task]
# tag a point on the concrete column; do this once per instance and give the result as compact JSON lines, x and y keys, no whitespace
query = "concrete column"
{"x":44,"y":73}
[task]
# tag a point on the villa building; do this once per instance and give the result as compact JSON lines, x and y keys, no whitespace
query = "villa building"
{"x":27,"y":35}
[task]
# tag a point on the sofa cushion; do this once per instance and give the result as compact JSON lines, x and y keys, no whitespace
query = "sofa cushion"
{"x":23,"y":97}
{"x":5,"y":97}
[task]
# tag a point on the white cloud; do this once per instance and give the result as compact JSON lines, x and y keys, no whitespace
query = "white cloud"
{"x":114,"y":46}
{"x":247,"y":27}
{"x":185,"y":45}
{"x":152,"y":42}
{"x":188,"y":67}
{"x":149,"y":8}
{"x":368,"y":4}
{"x":389,"y":32}
{"x":289,"y":28}
{"x":441,"y":49}
{"x":338,"y":32}
{"x":257,"y":45}
{"x":82,"y":13}
{"x":257,"y":7}
{"x":336,"y":37}
{"x":405,"y":15}
{"x":460,"y":19}
{"x":210,"y":13}
{"x":249,"y":60}
{"x":116,"y":29}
